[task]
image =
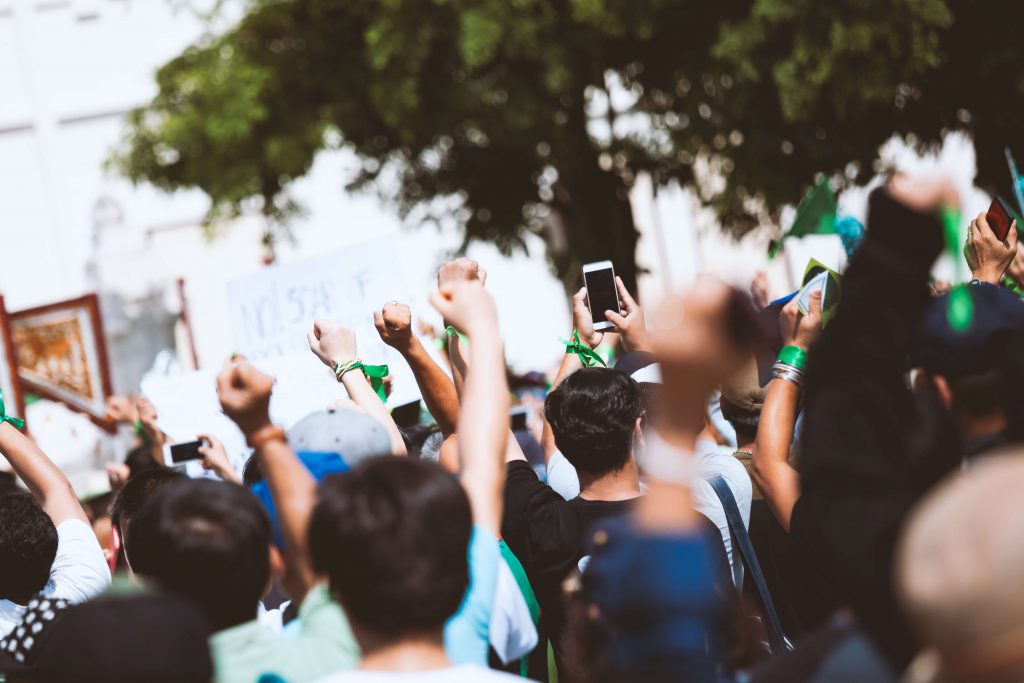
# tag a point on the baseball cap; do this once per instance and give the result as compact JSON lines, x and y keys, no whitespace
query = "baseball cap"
{"x":943,"y":350}
{"x":352,"y":434}
{"x":744,"y":389}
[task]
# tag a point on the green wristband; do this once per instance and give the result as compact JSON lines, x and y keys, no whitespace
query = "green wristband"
{"x":793,"y":355}
{"x":450,"y":332}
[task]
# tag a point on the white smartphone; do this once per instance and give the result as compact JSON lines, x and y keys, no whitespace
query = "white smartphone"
{"x":599,"y":279}
{"x":180,"y":453}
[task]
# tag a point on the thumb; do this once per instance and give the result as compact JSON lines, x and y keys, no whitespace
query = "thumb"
{"x":616,"y":319}
{"x":378,"y":322}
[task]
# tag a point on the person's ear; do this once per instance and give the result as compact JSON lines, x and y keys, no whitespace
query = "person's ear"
{"x":638,"y":432}
{"x":277,"y":563}
{"x":944,"y":391}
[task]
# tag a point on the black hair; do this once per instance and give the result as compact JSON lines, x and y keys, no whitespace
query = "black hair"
{"x":252,"y":472}
{"x":28,"y":545}
{"x":593,"y":414}
{"x":416,"y":437}
{"x":744,"y":421}
{"x":140,"y":459}
{"x":392,"y":536}
{"x":979,"y":394}
{"x":208,"y":541}
{"x":136,"y":491}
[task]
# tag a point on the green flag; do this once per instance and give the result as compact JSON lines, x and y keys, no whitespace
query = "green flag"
{"x":816,"y":214}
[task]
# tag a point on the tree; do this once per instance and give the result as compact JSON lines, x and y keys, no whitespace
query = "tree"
{"x":517,"y":116}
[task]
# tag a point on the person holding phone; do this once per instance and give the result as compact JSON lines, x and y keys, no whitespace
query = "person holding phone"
{"x":986,"y":254}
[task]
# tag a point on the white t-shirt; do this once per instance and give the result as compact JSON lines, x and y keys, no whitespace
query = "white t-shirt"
{"x":711,"y":460}
{"x":467,"y":673}
{"x":79,"y":572}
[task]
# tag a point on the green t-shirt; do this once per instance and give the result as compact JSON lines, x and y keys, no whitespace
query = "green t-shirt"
{"x":323,"y":645}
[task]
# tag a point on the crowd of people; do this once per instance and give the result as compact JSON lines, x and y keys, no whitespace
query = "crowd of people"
{"x":746,"y":495}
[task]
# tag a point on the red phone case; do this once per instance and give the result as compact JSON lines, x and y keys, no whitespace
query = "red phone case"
{"x":999,"y":218}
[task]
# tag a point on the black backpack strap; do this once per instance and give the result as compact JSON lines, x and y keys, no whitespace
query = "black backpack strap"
{"x":741,"y":544}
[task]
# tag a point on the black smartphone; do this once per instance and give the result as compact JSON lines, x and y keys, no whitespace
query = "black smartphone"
{"x":518,"y":418}
{"x":178,"y":453}
{"x":599,"y":279}
{"x":999,"y":218}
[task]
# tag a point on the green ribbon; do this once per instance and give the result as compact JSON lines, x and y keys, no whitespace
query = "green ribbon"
{"x":16,"y":422}
{"x":960,"y":308}
{"x":587,"y":355}
{"x":450,"y":332}
{"x":376,"y":375}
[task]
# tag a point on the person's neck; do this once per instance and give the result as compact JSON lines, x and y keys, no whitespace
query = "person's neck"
{"x":746,"y":445}
{"x":419,"y":652}
{"x":622,"y":484}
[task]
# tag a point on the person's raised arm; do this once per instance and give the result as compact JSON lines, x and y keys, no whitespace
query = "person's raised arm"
{"x":394,"y":324}
{"x":483,"y":423}
{"x":583,"y":323}
{"x":777,"y":480}
{"x":335,"y":345}
{"x":42,"y":477}
{"x":460,"y":270}
{"x":244,"y":395}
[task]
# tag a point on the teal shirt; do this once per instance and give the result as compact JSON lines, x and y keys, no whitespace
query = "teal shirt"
{"x":323,"y":644}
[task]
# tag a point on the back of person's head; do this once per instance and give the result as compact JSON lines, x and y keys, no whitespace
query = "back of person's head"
{"x":392,"y":537}
{"x":958,"y":571}
{"x":140,"y":459}
{"x":593,"y":415}
{"x":125,"y":639}
{"x":28,"y":545}
{"x":969,"y":361}
{"x":206,"y":540}
{"x":136,"y":491}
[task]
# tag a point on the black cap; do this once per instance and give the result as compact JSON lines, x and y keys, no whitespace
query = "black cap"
{"x":946,"y":351}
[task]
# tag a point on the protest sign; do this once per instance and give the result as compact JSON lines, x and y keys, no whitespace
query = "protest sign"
{"x":14,"y":403}
{"x":272,"y":310}
{"x":61,"y":354}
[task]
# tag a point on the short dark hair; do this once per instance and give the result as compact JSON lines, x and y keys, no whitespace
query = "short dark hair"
{"x":136,"y":491}
{"x":593,"y":414}
{"x":252,"y":471}
{"x":392,"y":536}
{"x":140,"y":459}
{"x":745,"y":422}
{"x":208,"y":541}
{"x":28,"y":545}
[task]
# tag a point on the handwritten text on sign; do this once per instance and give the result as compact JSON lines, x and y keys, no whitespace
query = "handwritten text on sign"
{"x":273,"y":310}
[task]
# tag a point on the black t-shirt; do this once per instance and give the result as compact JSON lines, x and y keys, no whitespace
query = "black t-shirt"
{"x":548,"y":535}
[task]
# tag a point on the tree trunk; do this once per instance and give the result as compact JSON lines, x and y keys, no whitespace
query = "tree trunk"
{"x":598,"y":224}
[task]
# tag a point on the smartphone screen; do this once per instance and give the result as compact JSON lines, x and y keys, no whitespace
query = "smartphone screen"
{"x":183,"y":452}
{"x":601,"y":294}
{"x":999,"y":218}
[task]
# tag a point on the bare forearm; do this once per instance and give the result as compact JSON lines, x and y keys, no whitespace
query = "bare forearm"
{"x":483,"y":430}
{"x":438,"y":390}
{"x":363,"y":395}
{"x":294,"y":491}
{"x":775,"y":477}
{"x":778,"y":482}
{"x":457,"y":361}
{"x":42,"y":477}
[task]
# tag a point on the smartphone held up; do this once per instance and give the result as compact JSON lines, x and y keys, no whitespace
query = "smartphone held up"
{"x":599,"y":279}
{"x":181,"y":453}
{"x":999,"y":218}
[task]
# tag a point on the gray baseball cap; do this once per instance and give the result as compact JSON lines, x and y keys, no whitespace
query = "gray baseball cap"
{"x":351,"y":433}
